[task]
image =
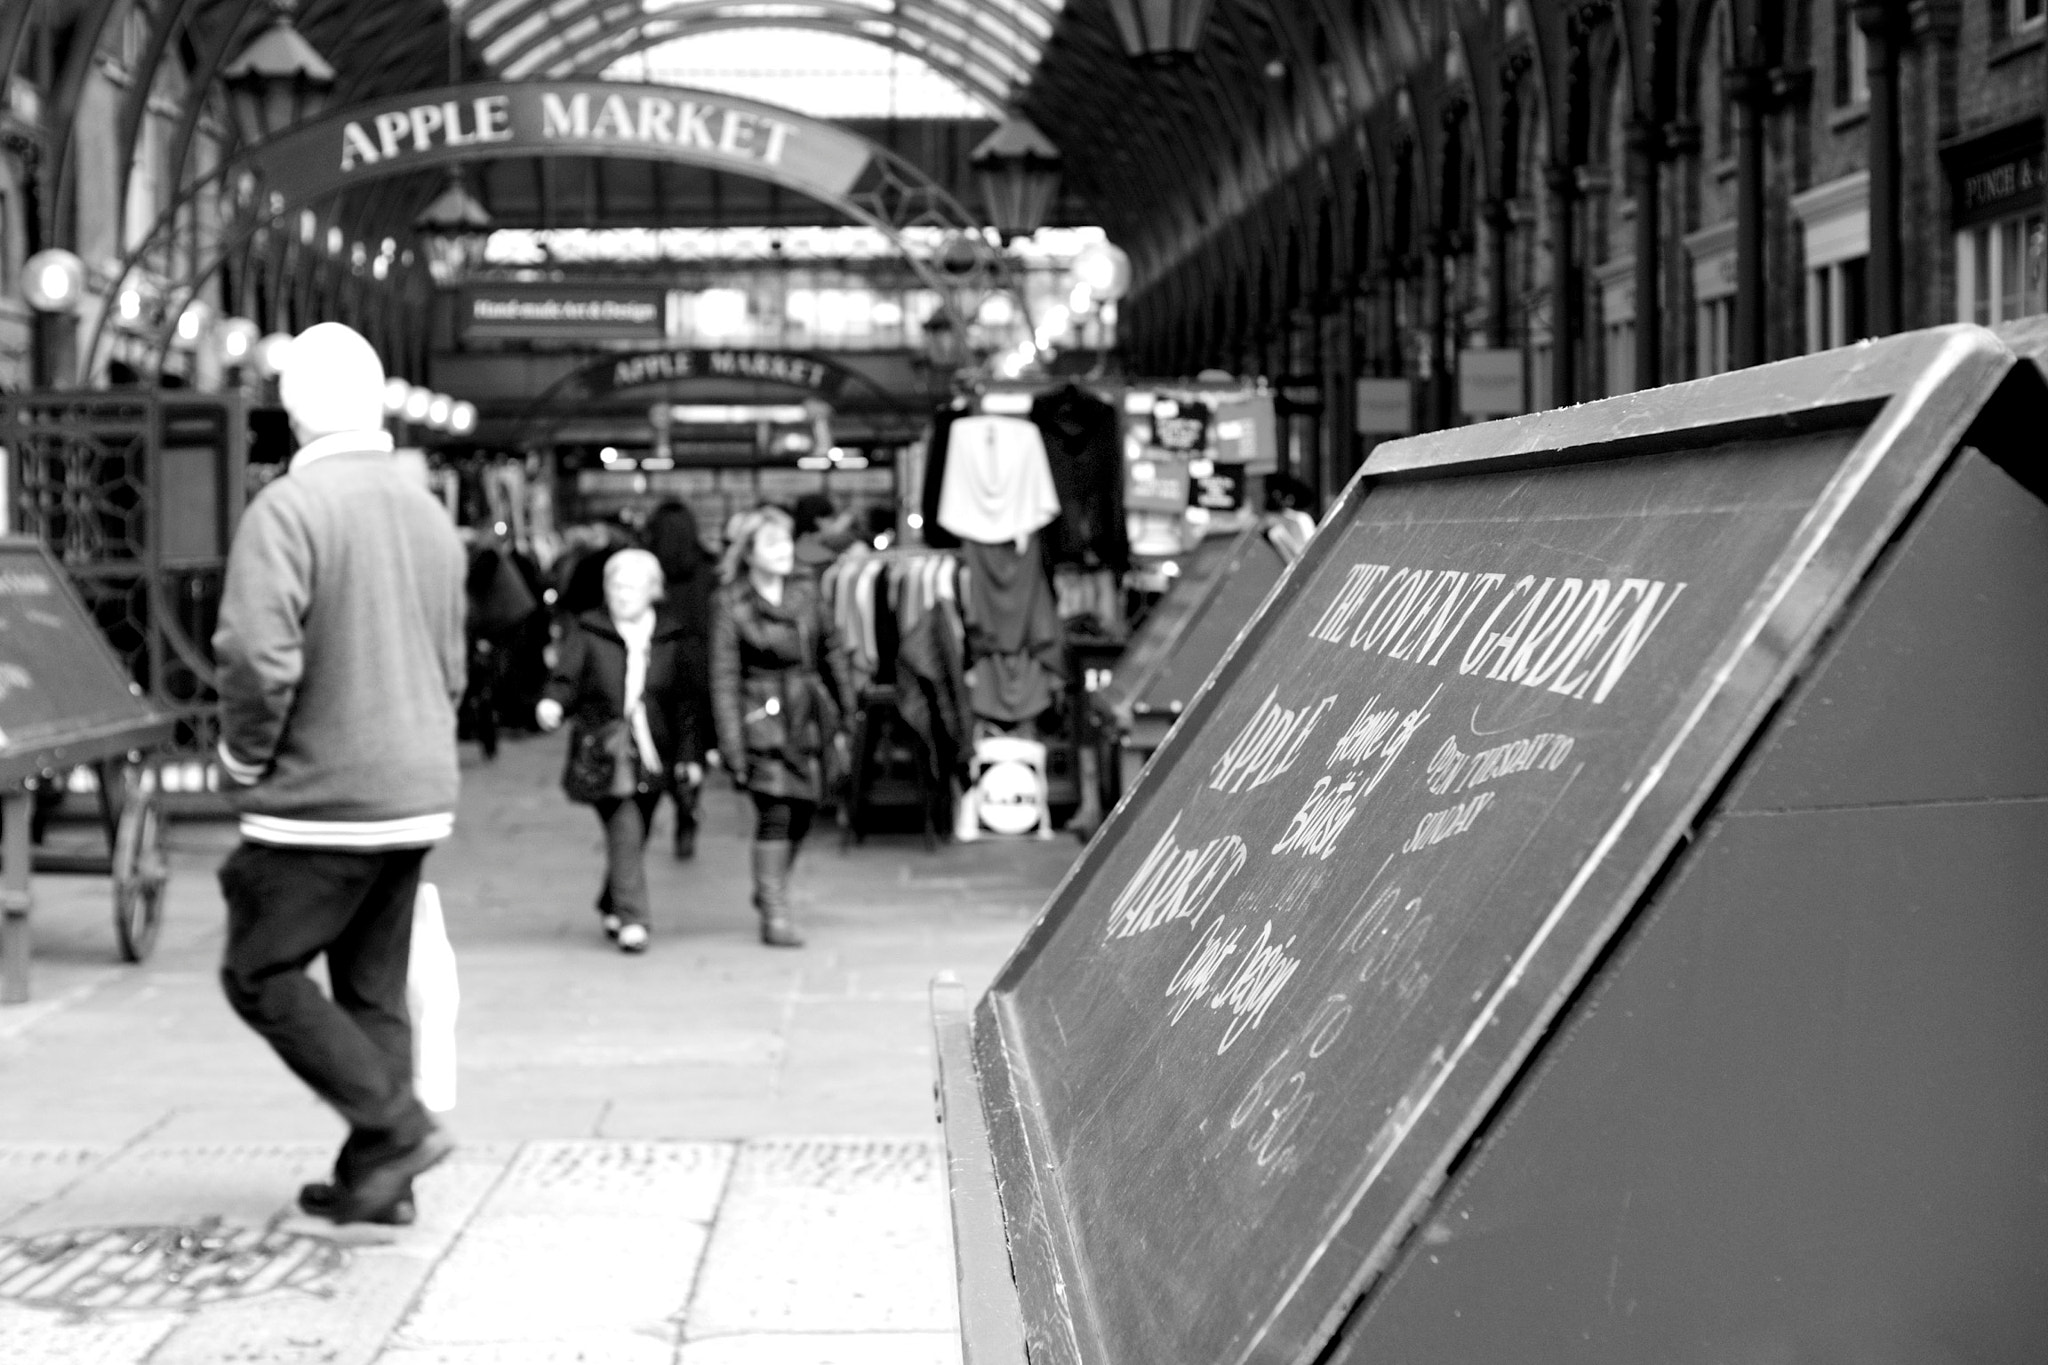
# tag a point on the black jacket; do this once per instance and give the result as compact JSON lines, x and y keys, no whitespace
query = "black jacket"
{"x":775,"y":714}
{"x":589,"y":682}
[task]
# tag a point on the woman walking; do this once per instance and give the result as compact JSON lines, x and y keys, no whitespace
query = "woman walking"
{"x":687,"y":572}
{"x":619,"y":676}
{"x":776,"y":719}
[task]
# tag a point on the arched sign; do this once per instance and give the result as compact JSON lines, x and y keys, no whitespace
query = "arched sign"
{"x":493,"y":119}
{"x":806,"y":374}
{"x":489,"y":120}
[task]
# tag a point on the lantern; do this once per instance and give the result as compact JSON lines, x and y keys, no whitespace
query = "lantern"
{"x":1019,"y":171}
{"x":1160,"y":32}
{"x":279,"y":81}
{"x":456,"y":227}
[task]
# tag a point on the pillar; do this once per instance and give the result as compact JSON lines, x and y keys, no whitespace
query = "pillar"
{"x":1883,"y":281}
{"x":1645,"y":151}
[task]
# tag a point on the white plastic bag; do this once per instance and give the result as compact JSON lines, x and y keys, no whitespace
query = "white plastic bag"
{"x":432,"y":996}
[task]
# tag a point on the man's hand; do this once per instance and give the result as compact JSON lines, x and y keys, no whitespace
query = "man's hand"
{"x":548,"y":712}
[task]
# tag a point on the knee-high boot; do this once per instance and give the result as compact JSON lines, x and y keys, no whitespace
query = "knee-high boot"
{"x":771,"y":893}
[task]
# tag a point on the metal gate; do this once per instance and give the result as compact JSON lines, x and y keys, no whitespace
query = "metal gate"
{"x":137,"y":495}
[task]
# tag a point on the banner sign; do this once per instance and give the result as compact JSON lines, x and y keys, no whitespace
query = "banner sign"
{"x":1490,"y":383}
{"x":552,"y":118}
{"x":813,"y":374}
{"x":1386,"y":407}
{"x":565,"y":312}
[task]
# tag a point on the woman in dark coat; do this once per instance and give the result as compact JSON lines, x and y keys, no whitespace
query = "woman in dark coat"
{"x":625,"y":662}
{"x":687,"y":572}
{"x":776,"y":719}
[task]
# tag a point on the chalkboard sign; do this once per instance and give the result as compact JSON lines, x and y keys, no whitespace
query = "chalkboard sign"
{"x":64,"y":697}
{"x":1155,"y":638}
{"x":1239,"y":1052}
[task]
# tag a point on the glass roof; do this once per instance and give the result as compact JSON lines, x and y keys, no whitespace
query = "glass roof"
{"x":988,"y":49}
{"x":826,"y":75}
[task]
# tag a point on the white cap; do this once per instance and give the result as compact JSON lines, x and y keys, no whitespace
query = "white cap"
{"x":332,"y":382}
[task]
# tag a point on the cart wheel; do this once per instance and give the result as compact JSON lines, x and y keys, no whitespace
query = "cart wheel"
{"x":140,"y":871}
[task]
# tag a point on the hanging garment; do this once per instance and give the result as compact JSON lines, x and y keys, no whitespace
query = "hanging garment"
{"x":1013,"y":631}
{"x":997,"y":486}
{"x":936,"y":443}
{"x":1084,"y":449}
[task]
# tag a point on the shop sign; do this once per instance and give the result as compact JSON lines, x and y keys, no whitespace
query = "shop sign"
{"x":1179,"y":425}
{"x":1490,"y":383}
{"x":1216,"y":487}
{"x":1386,"y":407}
{"x":1996,"y":174}
{"x":541,"y":118}
{"x":563,"y":313}
{"x":1247,"y":432}
{"x":1300,"y":395}
{"x":1156,"y":482}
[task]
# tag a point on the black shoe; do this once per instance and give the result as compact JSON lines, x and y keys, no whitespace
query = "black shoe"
{"x":686,"y":842}
{"x":383,"y":1185}
{"x":338,"y":1205}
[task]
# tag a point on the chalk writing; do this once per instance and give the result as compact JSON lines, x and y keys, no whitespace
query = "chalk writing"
{"x":1267,"y":745}
{"x":1440,"y":825}
{"x":1246,"y":988}
{"x":1174,"y":883}
{"x":1381,"y":734}
{"x":1260,"y":977}
{"x":1451,"y":767}
{"x":1388,"y":939}
{"x":1574,"y":636}
{"x":1280,"y":1097}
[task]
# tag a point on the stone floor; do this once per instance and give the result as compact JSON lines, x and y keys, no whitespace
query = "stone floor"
{"x":715,"y":1154}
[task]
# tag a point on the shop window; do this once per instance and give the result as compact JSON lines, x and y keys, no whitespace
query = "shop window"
{"x":1852,"y":56}
{"x":1714,"y":331}
{"x":1999,"y":270}
{"x":1835,"y":304}
{"x":2011,"y":18}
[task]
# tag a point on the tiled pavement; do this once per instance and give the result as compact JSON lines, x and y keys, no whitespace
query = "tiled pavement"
{"x":714,"y":1155}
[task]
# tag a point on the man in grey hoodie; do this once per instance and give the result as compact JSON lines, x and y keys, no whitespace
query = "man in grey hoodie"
{"x":341,"y":660}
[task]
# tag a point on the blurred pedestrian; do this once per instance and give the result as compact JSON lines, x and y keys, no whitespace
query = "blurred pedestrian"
{"x":687,"y":574}
{"x":341,"y":659}
{"x":619,"y":677}
{"x":776,"y":719}
{"x":823,"y":533}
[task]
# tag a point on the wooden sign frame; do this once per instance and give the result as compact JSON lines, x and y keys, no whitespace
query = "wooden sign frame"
{"x":1907,"y":402}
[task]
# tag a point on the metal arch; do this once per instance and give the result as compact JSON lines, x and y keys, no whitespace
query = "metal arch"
{"x":843,"y":17}
{"x":511,"y":18}
{"x":895,"y":195}
{"x":972,"y":73}
{"x":993,"y":96}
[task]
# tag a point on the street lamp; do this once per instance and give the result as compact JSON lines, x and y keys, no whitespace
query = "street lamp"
{"x":53,"y":281}
{"x":944,"y":344}
{"x":1019,"y":171}
{"x":279,"y":81}
{"x":1160,"y":32}
{"x":456,"y":228}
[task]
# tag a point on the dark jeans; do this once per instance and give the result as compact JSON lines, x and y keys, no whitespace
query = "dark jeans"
{"x":778,"y":817}
{"x":287,"y":906}
{"x":626,"y":821}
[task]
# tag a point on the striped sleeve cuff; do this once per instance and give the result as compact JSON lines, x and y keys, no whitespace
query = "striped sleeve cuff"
{"x":246,"y":774}
{"x":411,"y":831}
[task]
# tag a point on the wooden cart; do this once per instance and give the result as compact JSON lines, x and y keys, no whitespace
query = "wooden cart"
{"x":66,"y":702}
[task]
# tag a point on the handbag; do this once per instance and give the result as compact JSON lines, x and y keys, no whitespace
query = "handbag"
{"x":601,"y":763}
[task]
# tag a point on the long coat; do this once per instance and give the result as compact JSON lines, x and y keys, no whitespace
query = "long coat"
{"x":775,"y":714}
{"x":589,"y":681}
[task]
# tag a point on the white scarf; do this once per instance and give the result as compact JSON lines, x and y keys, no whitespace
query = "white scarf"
{"x":639,"y":636}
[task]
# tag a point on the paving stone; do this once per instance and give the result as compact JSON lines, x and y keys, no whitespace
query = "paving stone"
{"x":36,"y":1336}
{"x":33,"y":1172}
{"x":350,"y":1324}
{"x":581,"y":1247}
{"x":813,"y":1348}
{"x":828,"y":1237}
